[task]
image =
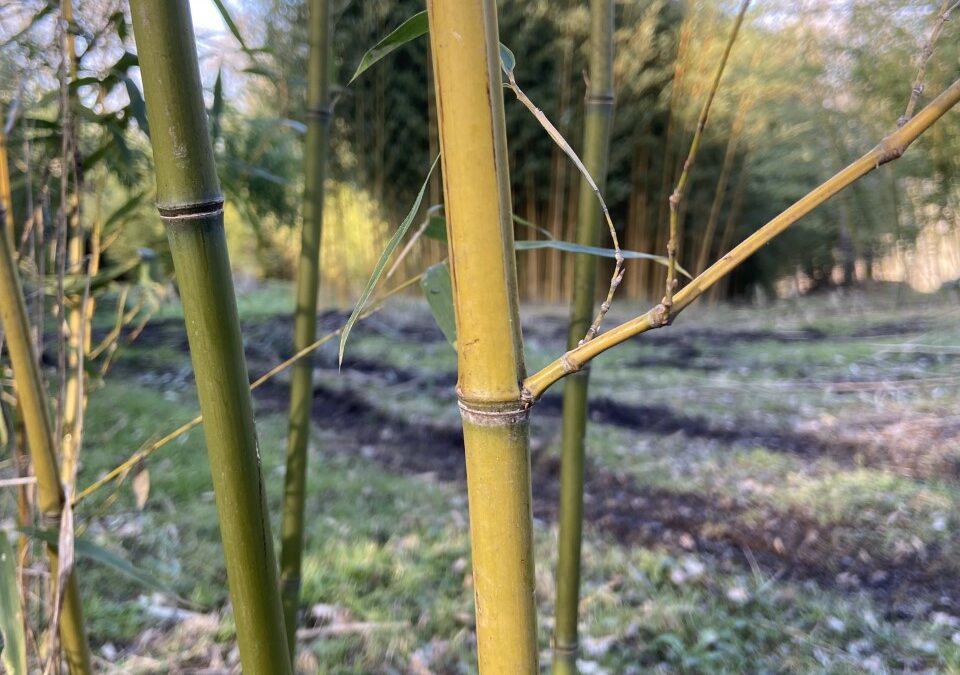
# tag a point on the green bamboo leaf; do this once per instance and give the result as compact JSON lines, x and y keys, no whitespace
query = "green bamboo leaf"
{"x":507,"y":60}
{"x":216,"y":111}
{"x":14,"y":656}
{"x":436,"y":228}
{"x":227,"y":19}
{"x":414,"y":27}
{"x":533,"y":226}
{"x":570,"y":247}
{"x":84,"y":548}
{"x":382,"y":263}
{"x":137,"y":108}
{"x":438,"y":289}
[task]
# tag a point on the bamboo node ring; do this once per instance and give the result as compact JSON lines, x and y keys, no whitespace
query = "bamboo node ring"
{"x":492,"y":417}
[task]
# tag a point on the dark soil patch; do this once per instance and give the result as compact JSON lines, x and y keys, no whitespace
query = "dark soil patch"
{"x":787,"y":544}
{"x":662,"y":420}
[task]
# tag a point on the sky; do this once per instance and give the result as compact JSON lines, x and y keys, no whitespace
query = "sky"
{"x":206,"y":16}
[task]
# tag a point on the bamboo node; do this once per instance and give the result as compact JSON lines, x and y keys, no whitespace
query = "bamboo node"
{"x":888,"y":153}
{"x":568,"y":365}
{"x":570,"y":649}
{"x":196,"y":211}
{"x":509,"y":415}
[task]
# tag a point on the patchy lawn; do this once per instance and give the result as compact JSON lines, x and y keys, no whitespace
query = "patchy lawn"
{"x":768,"y":490}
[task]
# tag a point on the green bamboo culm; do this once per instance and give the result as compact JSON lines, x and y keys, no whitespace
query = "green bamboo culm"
{"x":319,"y":113}
{"x":598,"y":114}
{"x":191,"y":206}
{"x":32,"y":398}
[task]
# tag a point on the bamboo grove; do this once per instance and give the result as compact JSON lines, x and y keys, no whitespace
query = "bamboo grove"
{"x":493,"y":199}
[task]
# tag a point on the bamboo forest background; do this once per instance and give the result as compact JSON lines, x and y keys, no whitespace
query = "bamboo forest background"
{"x":808,"y":86}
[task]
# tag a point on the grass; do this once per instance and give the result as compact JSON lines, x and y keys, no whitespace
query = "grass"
{"x":386,"y":573}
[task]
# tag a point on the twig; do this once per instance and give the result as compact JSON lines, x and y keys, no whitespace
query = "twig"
{"x":677,"y":197}
{"x":561,"y":142}
{"x":890,"y":148}
{"x":924,"y":59}
{"x":126,"y":466}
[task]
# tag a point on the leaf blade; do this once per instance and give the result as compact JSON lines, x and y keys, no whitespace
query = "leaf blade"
{"x":227,"y":19}
{"x":14,"y":655}
{"x":414,"y":27}
{"x":382,"y":263}
{"x":571,"y":247}
{"x":89,"y":550}
{"x":437,"y":287}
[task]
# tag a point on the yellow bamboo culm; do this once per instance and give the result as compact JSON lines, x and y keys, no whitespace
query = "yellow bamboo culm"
{"x":465,"y":48}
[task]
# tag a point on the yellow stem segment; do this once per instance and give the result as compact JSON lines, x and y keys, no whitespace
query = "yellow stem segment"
{"x":466,"y":62}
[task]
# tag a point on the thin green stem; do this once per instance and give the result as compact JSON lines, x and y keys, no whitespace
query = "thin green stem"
{"x":677,"y":197}
{"x":597,"y":122}
{"x":319,"y":112}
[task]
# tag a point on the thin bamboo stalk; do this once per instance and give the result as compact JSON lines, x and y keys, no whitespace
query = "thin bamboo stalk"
{"x":191,"y":206}
{"x":889,"y":149}
{"x":74,"y":400}
{"x":490,"y":352}
{"x":319,"y":112}
{"x":676,"y":199}
{"x":31,"y":396}
{"x":596,"y":134}
{"x":6,"y":223}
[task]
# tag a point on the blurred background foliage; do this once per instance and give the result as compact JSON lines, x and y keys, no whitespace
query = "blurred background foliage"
{"x":811,"y":85}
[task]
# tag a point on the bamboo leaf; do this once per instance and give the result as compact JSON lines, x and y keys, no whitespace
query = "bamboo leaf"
{"x":533,"y":226}
{"x":382,"y":263}
{"x":507,"y":60}
{"x":227,"y":19}
{"x":216,"y":111}
{"x":14,"y":656}
{"x":137,"y":108}
{"x":438,"y":289}
{"x":436,"y":228}
{"x":84,"y":548}
{"x":414,"y":27}
{"x":570,"y":247}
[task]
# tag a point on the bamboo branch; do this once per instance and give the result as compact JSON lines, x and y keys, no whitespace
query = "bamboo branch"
{"x":890,"y":148}
{"x":677,"y":197}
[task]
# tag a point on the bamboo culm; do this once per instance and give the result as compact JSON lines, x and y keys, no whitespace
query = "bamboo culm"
{"x":305,"y":320}
{"x":599,"y":111}
{"x":32,"y":399}
{"x":191,"y":206}
{"x":466,"y":62}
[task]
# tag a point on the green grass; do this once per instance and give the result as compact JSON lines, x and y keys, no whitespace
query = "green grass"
{"x":388,"y":552}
